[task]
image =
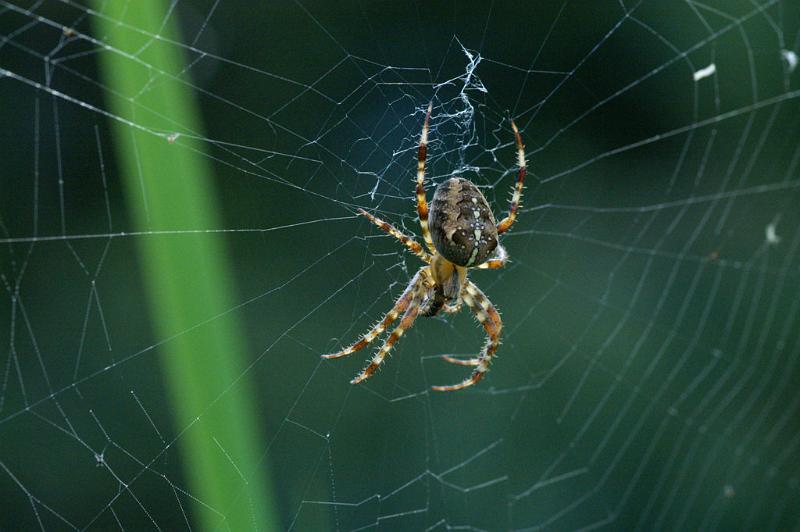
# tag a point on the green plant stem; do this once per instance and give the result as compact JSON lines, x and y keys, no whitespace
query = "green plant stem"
{"x":168,"y":186}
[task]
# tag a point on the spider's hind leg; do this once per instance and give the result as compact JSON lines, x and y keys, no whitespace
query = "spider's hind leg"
{"x":499,"y":261}
{"x":422,"y":202}
{"x":516,"y":198}
{"x":415,"y":247}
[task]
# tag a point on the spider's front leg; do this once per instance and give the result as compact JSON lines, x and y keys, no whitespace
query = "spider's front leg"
{"x":401,"y":305}
{"x":408,"y":319}
{"x":487,"y":315}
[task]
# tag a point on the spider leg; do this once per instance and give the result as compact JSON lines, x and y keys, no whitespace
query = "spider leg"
{"x":422,"y":202}
{"x":452,"y":309}
{"x":508,"y":221}
{"x":410,"y":243}
{"x":461,"y":361}
{"x":408,"y":319}
{"x":488,"y":316}
{"x":400,"y":306}
{"x":496,"y":263}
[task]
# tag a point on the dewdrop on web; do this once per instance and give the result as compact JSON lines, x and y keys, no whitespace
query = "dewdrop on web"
{"x":710,"y":70}
{"x":791,"y":59}
{"x":771,"y":232}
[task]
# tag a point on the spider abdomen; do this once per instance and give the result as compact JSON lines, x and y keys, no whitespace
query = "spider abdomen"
{"x":463,"y":228}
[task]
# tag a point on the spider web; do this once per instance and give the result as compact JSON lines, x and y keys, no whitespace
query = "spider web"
{"x":648,"y":373}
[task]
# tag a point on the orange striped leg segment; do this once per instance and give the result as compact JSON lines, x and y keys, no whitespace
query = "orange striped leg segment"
{"x":461,"y":361}
{"x":496,"y":263}
{"x":516,"y":198}
{"x":490,"y":319}
{"x":410,"y":243}
{"x":401,"y":305}
{"x":422,"y":202}
{"x":405,"y":323}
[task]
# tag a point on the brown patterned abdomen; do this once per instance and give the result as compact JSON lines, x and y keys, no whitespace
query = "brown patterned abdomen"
{"x":462,"y":225}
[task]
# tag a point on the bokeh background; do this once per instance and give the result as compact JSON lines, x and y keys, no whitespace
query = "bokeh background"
{"x":648,"y":375}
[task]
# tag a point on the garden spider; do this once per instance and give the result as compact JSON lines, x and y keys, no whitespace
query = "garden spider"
{"x":462,"y":234}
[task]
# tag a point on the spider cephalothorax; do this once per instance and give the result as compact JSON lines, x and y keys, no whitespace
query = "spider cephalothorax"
{"x":462,"y":234}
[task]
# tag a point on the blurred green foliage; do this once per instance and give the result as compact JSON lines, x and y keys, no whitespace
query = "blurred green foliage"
{"x":189,"y":284}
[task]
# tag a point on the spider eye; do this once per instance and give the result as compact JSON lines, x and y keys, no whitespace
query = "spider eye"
{"x":462,"y":225}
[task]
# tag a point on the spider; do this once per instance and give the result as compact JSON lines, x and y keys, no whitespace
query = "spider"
{"x":462,"y":234}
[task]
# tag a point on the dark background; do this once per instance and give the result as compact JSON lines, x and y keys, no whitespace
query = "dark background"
{"x":650,"y":358}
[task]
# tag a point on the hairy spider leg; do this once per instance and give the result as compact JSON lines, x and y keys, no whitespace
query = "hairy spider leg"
{"x":452,"y":309}
{"x":474,"y":361}
{"x":405,"y":323}
{"x":410,"y":243}
{"x":496,"y":263}
{"x":516,"y":198}
{"x":487,"y":315}
{"x":400,"y":305}
{"x":422,"y":202}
